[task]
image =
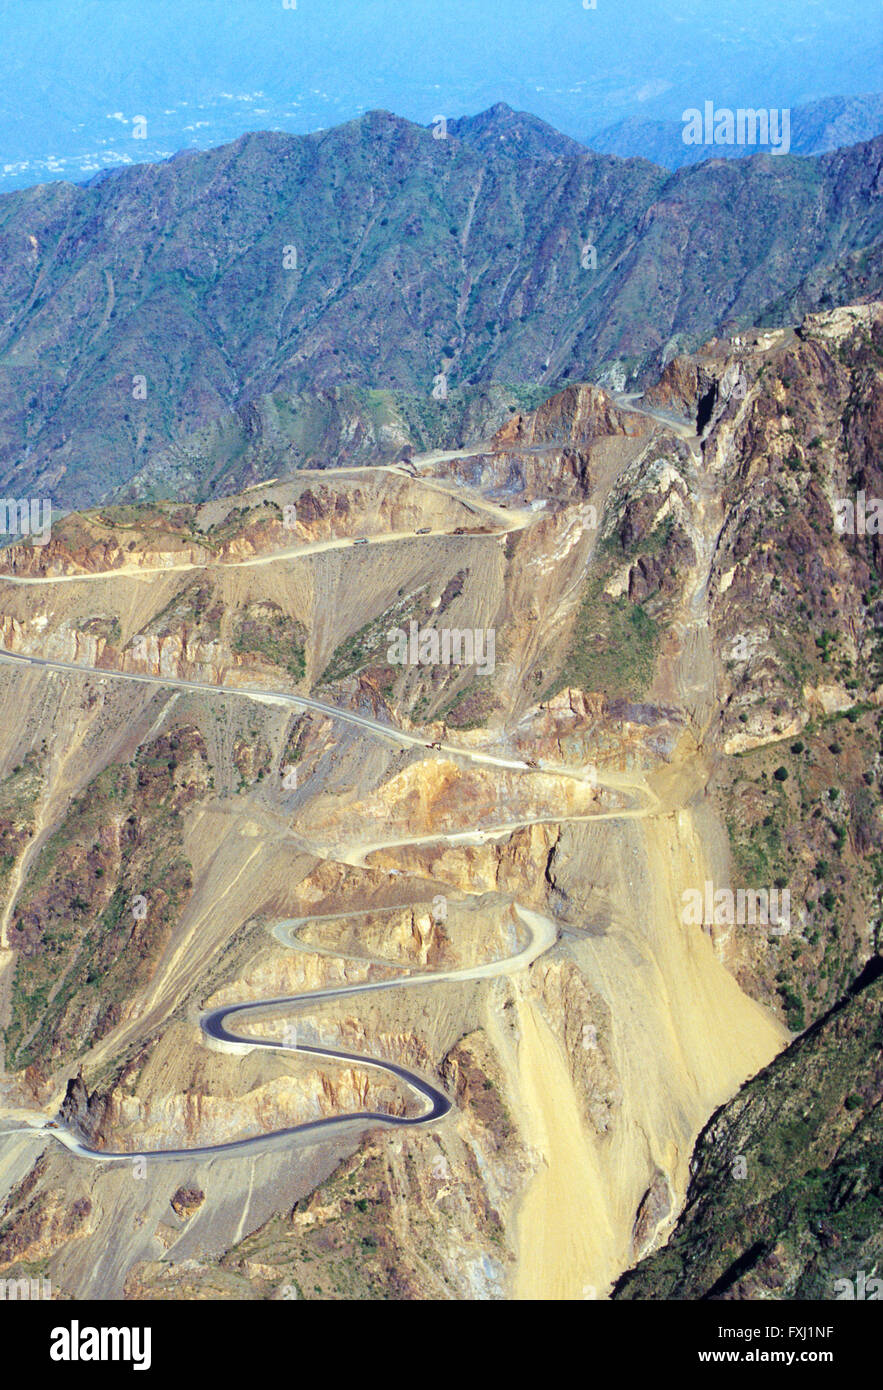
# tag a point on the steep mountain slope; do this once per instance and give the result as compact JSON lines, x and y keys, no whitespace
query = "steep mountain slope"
{"x":787,"y":1180}
{"x":227,"y":316}
{"x":206,"y":719}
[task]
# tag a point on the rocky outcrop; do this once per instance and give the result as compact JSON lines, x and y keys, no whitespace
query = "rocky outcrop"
{"x":575,"y":416}
{"x":186,"y":1202}
{"x":81,"y":1112}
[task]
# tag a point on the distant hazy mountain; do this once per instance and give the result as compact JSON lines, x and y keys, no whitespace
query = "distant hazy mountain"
{"x":77,"y":77}
{"x":817,"y":128}
{"x":193,"y":310}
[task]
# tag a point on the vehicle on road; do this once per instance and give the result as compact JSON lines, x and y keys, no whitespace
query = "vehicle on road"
{"x":362,"y":540}
{"x":422,"y":531}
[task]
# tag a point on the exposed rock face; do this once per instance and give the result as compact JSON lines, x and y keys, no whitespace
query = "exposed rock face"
{"x":577,"y":415}
{"x":653,"y":1210}
{"x":81,"y":1112}
{"x":187,"y":1201}
{"x":586,"y":1028}
{"x":679,"y":388}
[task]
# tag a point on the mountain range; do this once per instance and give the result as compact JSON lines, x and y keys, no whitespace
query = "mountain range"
{"x":197,"y":325}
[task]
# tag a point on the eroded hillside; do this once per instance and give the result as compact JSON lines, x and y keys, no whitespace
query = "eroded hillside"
{"x":224,"y":783}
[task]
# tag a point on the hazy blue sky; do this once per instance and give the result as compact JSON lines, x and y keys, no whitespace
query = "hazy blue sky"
{"x":76,"y":72}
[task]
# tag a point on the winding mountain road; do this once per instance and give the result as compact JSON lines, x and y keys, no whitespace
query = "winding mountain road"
{"x":268,"y":697}
{"x":506,"y":519}
{"x":541,"y":932}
